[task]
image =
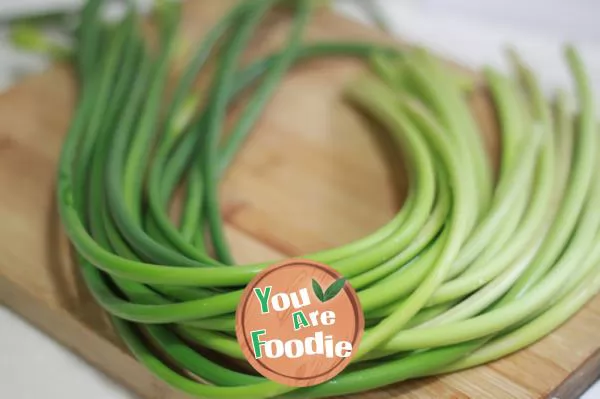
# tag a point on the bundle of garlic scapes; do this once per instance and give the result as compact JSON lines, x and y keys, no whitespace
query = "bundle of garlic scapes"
{"x":473,"y":266}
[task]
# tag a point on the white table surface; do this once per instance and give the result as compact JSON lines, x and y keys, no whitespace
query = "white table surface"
{"x":472,"y":32}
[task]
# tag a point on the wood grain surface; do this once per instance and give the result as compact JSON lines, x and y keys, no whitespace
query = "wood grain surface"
{"x":312,"y":176}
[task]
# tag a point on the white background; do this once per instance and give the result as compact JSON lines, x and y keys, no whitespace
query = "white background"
{"x":473,"y":32}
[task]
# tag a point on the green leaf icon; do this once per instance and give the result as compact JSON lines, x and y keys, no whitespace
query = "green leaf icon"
{"x":317,"y":290}
{"x":334,"y":289}
{"x":331,"y":292}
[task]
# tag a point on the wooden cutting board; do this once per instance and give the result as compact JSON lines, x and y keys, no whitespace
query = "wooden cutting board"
{"x":312,"y":176}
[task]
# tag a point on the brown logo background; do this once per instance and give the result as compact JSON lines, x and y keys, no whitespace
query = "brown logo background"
{"x":290,"y":277}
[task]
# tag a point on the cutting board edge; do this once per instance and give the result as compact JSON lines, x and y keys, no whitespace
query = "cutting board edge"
{"x":107,"y":357}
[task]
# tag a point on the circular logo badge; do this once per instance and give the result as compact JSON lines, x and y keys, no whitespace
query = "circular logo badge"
{"x":299,"y":323}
